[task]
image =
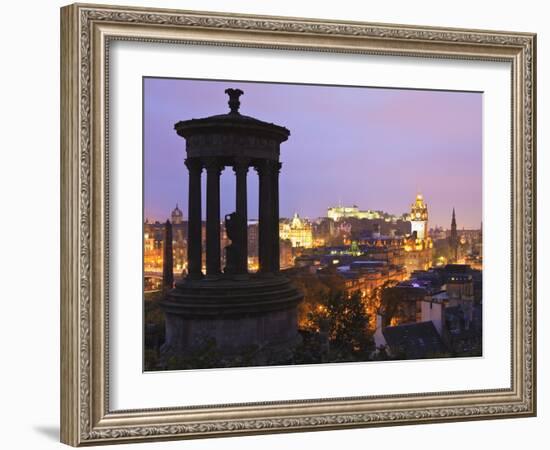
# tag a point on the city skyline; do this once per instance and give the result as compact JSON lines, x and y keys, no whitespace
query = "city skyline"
{"x":311,"y":219}
{"x":431,"y":141}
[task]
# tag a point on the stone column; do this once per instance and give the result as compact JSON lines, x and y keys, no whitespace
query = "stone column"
{"x":241,"y":169}
{"x":213,"y":252}
{"x":276,"y":264}
{"x":265,"y":227}
{"x":194,"y":235}
{"x":168,"y":259}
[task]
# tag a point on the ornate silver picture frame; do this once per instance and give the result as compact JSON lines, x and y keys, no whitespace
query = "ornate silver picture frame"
{"x":87,"y":32}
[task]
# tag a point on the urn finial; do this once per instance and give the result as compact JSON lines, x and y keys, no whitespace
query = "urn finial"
{"x":234,"y":102}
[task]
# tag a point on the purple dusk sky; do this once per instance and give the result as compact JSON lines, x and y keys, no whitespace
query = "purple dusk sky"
{"x":372,"y":147}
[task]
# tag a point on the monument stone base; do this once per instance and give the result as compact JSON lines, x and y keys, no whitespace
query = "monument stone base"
{"x":234,"y":314}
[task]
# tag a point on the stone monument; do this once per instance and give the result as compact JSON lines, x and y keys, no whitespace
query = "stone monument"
{"x":233,"y":307}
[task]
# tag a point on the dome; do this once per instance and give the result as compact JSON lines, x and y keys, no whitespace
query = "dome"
{"x":177,"y":215}
{"x":296,"y":221}
{"x":232,"y":135}
{"x":419,"y":202}
{"x":419,"y":209}
{"x":231,"y":121}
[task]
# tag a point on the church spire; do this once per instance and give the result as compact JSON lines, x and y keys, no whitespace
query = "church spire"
{"x":454,"y":239}
{"x":453,"y":221}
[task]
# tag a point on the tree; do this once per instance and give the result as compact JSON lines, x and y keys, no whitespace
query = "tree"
{"x":373,"y":301}
{"x":345,"y":321}
{"x":399,"y":303}
{"x":314,"y":292}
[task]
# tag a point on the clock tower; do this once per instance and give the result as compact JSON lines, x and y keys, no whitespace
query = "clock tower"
{"x":419,"y":218}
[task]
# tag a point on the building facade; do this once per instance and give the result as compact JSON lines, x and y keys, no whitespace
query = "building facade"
{"x":153,"y":243}
{"x":419,"y":218}
{"x":418,"y":246}
{"x":298,"y":231}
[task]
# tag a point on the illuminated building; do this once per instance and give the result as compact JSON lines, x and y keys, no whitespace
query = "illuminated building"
{"x":177,"y":216}
{"x":360,"y":275}
{"x":341,"y":212}
{"x":344,"y":232}
{"x":253,"y":243}
{"x":464,"y":246}
{"x":179,"y":240}
{"x":153,"y":236}
{"x":337,"y":213}
{"x":458,"y":246}
{"x":298,"y":231}
{"x":385,"y":248}
{"x":419,"y":218}
{"x":324,"y":232}
{"x":439,"y":307}
{"x":438,"y":233}
{"x":418,"y":245}
{"x":153,"y":243}
{"x":287,"y":255}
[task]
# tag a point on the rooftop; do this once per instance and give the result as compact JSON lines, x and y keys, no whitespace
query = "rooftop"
{"x":414,"y":340}
{"x":233,"y":121}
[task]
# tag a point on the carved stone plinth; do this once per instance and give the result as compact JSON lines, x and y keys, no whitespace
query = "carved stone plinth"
{"x":235,"y":313}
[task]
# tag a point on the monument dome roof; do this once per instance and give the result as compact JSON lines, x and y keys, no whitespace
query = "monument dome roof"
{"x":177,"y":211}
{"x":232,"y":121}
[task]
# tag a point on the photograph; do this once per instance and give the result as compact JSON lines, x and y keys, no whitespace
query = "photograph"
{"x":291,"y":223}
{"x":288,"y":224}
